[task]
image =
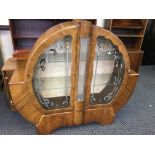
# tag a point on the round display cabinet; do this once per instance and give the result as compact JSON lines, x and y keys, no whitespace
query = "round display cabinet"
{"x":76,"y":73}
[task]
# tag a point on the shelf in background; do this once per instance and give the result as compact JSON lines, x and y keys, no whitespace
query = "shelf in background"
{"x":132,"y":42}
{"x":25,"y":31}
{"x":130,"y":35}
{"x":4,"y":27}
{"x":130,"y":50}
{"x":27,"y":36}
{"x":24,"y":43}
{"x":130,"y":31}
{"x":135,"y":59}
{"x":21,"y":54}
{"x":127,"y":23}
{"x":120,"y":31}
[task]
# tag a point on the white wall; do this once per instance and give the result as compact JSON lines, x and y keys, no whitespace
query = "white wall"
{"x":100,"y":22}
{"x":5,"y":41}
{"x":4,"y":21}
{"x":6,"y":44}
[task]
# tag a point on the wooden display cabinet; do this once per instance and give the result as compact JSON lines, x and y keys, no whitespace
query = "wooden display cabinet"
{"x":77,"y":73}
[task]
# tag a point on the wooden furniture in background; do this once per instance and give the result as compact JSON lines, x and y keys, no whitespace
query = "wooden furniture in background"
{"x":8,"y":69}
{"x":84,"y":53}
{"x":25,"y":32}
{"x":131,"y":32}
{"x":4,"y":27}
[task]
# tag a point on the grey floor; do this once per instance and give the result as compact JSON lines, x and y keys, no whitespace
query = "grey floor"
{"x":137,"y":117}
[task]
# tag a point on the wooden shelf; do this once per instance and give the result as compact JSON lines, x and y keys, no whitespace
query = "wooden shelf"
{"x":127,"y":23}
{"x":131,"y":42}
{"x":130,"y":35}
{"x":131,"y":32}
{"x":4,"y":27}
{"x":11,"y":64}
{"x":24,"y":43}
{"x":25,"y":32}
{"x":132,"y":50}
{"x":26,"y":36}
{"x":21,"y":54}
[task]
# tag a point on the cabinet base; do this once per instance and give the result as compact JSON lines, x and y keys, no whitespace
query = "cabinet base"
{"x":49,"y":123}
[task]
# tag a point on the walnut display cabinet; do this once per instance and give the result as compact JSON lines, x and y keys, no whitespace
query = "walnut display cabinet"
{"x":77,"y":73}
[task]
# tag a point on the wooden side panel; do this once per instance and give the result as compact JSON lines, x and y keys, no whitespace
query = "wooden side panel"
{"x":22,"y":102}
{"x":6,"y":81}
{"x":48,"y":123}
{"x":127,"y":92}
{"x":7,"y":70}
{"x":100,"y":115}
{"x":135,"y":59}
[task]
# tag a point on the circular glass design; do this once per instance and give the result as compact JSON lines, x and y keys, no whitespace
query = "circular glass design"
{"x":108,"y":72}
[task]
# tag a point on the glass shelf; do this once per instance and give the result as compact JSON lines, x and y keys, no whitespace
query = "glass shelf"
{"x":51,"y":83}
{"x":48,"y":83}
{"x":101,"y":79}
{"x":61,"y":57}
{"x":53,"y":70}
{"x":56,"y":92}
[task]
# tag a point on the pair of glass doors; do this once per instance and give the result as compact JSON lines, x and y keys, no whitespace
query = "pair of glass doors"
{"x":99,"y":72}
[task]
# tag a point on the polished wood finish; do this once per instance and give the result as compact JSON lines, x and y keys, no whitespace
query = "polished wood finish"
{"x":21,"y":54}
{"x":46,"y":121}
{"x":7,"y":71}
{"x":108,"y":35}
{"x":127,"y":23}
{"x":135,"y":59}
{"x":48,"y":38}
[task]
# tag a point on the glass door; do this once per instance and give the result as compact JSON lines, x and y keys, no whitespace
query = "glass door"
{"x":52,"y":73}
{"x":108,"y":71}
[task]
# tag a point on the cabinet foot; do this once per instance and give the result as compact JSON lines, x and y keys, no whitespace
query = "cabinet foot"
{"x":102,"y":116}
{"x":49,"y":123}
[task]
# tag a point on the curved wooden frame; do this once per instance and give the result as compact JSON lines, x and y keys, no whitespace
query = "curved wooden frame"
{"x":48,"y":38}
{"x":97,"y":31}
{"x":46,"y":121}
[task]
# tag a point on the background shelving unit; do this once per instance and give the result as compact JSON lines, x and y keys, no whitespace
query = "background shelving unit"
{"x":131,"y":32}
{"x":26,"y":31}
